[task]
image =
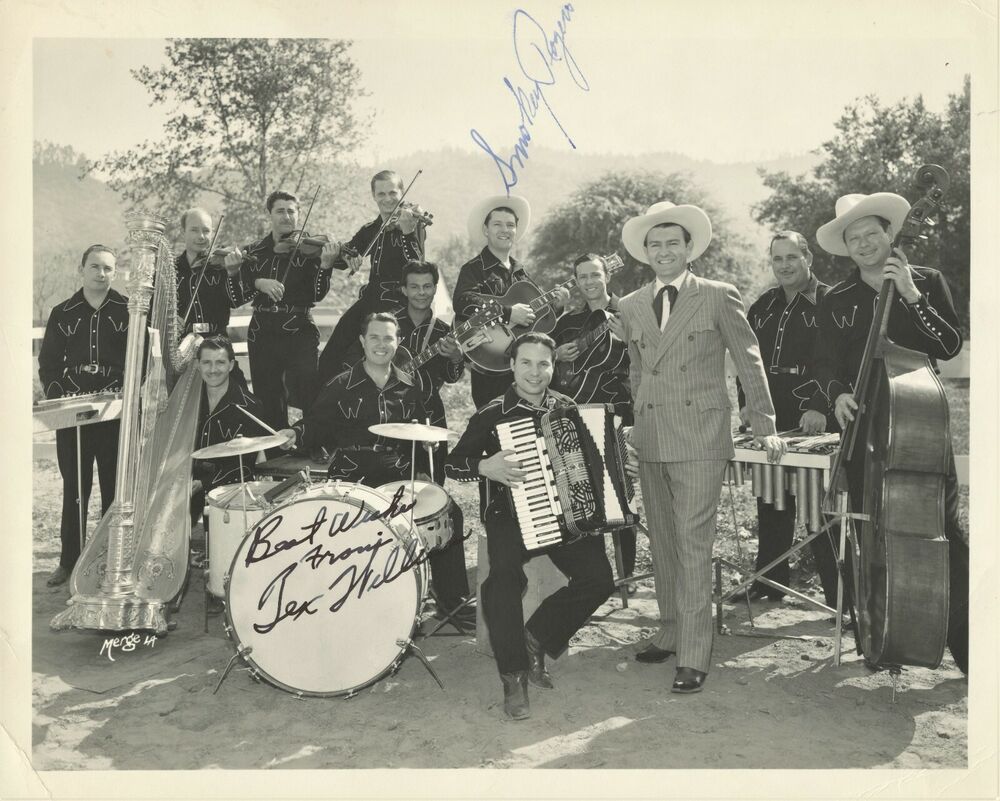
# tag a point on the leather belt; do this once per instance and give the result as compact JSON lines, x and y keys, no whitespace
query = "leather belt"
{"x":281,"y":307}
{"x":94,"y":369}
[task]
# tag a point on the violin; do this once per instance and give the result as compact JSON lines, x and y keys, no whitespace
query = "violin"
{"x":421,"y":216}
{"x":215,"y":260}
{"x":308,"y":245}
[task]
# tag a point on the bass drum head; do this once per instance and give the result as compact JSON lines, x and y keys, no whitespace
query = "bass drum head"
{"x":324,"y":589}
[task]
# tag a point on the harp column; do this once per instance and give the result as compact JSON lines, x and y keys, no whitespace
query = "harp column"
{"x":115,"y":607}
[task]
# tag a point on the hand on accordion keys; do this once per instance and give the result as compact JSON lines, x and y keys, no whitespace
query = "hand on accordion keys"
{"x":498,"y":468}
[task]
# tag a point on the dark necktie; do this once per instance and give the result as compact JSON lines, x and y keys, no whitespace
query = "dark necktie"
{"x":671,"y":291}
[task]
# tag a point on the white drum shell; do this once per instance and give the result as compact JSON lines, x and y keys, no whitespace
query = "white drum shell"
{"x":333,"y":639}
{"x":227,"y":526}
{"x":432,"y":513}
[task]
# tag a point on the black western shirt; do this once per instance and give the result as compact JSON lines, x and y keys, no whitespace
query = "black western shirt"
{"x":391,"y":251}
{"x":305,"y":283}
{"x":218,"y":292}
{"x":440,"y":370}
{"x":604,"y":382}
{"x":84,"y":348}
{"x":222,"y":424}
{"x":787,"y":330}
{"x":349,"y":404}
{"x":481,"y":440}
{"x":487,"y":275}
{"x":929,"y":326}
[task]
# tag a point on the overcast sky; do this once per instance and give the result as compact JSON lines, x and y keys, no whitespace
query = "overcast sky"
{"x":748,"y":81}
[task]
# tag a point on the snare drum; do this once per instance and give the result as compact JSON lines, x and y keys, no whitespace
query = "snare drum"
{"x":324,"y":593}
{"x":431,"y":515}
{"x":227,"y":528}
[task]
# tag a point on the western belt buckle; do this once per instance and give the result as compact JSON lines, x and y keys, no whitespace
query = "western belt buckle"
{"x":90,"y":368}
{"x":202,"y":328}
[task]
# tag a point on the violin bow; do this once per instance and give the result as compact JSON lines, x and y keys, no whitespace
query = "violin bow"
{"x":302,"y":233}
{"x":389,"y":220}
{"x":204,"y":268}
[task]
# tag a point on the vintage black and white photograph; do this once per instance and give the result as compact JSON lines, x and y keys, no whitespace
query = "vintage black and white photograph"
{"x":548,"y":385}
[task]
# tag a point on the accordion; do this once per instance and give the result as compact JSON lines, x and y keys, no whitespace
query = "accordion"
{"x":576,"y":482}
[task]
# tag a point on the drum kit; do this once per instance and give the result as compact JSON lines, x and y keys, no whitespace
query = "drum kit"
{"x":324,"y":582}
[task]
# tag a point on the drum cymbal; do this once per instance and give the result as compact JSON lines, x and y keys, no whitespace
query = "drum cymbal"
{"x":411,"y":431}
{"x":239,"y":445}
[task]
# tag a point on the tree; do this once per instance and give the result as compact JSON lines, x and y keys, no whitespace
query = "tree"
{"x":246,"y":116}
{"x":879,"y":149}
{"x":55,"y":279}
{"x":592,"y":219}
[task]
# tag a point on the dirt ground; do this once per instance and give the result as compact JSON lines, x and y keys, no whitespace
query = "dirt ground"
{"x":773,"y":700}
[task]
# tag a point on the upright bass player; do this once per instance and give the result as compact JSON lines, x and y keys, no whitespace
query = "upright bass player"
{"x":922,"y":318}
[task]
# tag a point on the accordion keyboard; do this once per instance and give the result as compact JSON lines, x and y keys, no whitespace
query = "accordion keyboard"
{"x":535,"y":503}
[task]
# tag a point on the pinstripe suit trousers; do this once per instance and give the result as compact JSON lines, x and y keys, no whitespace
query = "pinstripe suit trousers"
{"x":680,"y":500}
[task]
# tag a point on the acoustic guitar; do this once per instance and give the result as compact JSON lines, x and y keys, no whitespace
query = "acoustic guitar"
{"x":488,"y":348}
{"x":406,"y":363}
{"x":599,"y":353}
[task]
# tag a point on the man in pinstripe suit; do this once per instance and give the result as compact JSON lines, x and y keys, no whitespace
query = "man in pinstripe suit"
{"x":678,"y":328}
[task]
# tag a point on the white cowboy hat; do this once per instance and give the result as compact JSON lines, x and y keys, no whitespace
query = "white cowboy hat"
{"x":516,"y":203}
{"x":853,"y":207}
{"x":691,"y":218}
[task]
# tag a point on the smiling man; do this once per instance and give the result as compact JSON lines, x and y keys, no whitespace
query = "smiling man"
{"x":922,"y":318}
{"x":784,"y":319}
{"x":218,"y":291}
{"x":83,"y":351}
{"x":398,"y":244}
{"x":679,"y":327}
{"x":498,"y":222}
{"x":222,"y":416}
{"x":372,"y":392}
{"x":520,"y":648}
{"x":282,"y":339}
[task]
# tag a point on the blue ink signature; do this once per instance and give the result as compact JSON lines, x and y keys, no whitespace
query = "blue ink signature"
{"x":536,"y":53}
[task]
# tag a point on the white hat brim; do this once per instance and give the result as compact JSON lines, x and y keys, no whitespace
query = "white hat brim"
{"x":693,"y":219}
{"x":890,"y":206}
{"x":520,"y":206}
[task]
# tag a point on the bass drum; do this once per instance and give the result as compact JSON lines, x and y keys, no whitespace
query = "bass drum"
{"x":324,"y":594}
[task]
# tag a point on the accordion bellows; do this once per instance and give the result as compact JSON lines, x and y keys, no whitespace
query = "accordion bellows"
{"x":576,"y":484}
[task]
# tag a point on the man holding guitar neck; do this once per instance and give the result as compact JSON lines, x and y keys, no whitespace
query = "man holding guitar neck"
{"x":599,"y":372}
{"x":922,"y":318}
{"x":498,"y":221}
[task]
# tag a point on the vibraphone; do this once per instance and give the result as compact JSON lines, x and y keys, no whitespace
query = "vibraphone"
{"x":804,"y":471}
{"x":76,"y":410}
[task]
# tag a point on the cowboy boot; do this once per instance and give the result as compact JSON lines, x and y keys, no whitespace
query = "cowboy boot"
{"x":515,"y":695}
{"x":537,"y":674}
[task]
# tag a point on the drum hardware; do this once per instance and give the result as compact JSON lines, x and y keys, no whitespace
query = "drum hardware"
{"x":426,"y":524}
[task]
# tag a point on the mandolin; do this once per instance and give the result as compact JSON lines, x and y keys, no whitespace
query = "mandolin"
{"x":490,"y":353}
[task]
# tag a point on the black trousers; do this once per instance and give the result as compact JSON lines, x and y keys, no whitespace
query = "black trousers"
{"x":282,"y":365}
{"x":559,"y":616}
{"x":626,"y":541}
{"x":343,"y":347}
{"x":775,"y":533}
{"x":487,"y":386}
{"x":447,"y":565}
{"x":99,"y":442}
{"x":958,"y":558}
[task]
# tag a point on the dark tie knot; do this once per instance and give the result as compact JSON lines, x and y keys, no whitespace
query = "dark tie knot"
{"x":671,"y":291}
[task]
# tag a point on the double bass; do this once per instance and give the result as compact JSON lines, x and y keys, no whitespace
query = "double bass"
{"x":899,"y":443}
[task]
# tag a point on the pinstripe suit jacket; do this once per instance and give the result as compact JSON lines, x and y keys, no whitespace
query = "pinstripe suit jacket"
{"x":678,"y":376}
